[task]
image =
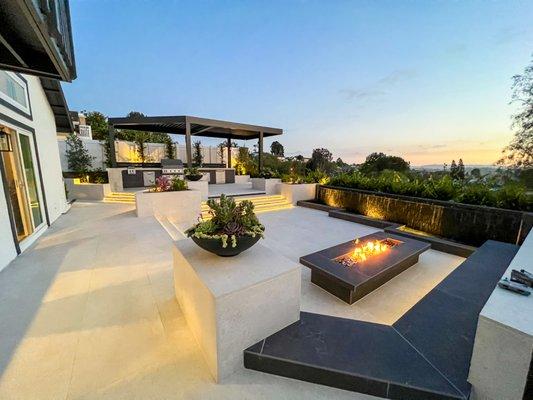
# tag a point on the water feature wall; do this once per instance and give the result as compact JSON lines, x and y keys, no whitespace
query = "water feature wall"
{"x":464,"y":223}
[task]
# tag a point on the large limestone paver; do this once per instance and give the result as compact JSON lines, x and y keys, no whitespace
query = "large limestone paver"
{"x":89,"y":313}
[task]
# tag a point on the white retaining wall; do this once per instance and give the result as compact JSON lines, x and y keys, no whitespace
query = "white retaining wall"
{"x":127,"y":152}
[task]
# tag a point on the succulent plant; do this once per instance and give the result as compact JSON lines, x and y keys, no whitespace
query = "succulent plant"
{"x":229,"y":220}
{"x":234,"y":228}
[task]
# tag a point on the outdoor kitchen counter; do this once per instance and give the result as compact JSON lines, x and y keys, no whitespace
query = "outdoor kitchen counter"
{"x":122,"y":178}
{"x":220,"y":175}
{"x":231,"y":303}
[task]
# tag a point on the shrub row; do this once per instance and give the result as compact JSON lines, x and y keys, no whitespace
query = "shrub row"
{"x":511,"y":196}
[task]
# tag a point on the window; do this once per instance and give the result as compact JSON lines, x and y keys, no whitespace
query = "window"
{"x":13,"y":90}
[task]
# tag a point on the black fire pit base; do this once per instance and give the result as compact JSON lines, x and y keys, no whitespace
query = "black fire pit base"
{"x":352,"y":283}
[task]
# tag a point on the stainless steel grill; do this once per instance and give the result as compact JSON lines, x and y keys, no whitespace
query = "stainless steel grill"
{"x":171,"y":166}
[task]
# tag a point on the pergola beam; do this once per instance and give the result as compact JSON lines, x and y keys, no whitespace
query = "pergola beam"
{"x":260,"y":151}
{"x":188,"y":143}
{"x":112,"y":153}
{"x":229,"y":152}
{"x":203,"y":130}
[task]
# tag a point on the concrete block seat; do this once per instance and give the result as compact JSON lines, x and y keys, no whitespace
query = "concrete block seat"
{"x":424,"y":355}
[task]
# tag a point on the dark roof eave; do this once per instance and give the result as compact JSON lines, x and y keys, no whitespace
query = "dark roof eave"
{"x":56,"y":98}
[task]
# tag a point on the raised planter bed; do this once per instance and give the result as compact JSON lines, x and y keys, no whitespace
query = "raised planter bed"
{"x":201,"y":185}
{"x":269,"y":186}
{"x":469,"y":224}
{"x":86,"y":191}
{"x":180,"y":206}
{"x":295,"y":192}
{"x":242,"y":179}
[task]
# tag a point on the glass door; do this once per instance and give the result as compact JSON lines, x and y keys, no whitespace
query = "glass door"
{"x":23,"y":184}
{"x":27,"y":153}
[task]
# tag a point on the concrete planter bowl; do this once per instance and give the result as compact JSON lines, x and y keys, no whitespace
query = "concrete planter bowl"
{"x":194,"y":178}
{"x":215,"y":245}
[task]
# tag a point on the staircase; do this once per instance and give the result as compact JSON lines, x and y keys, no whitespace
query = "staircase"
{"x":120,"y":197}
{"x":262,"y":203}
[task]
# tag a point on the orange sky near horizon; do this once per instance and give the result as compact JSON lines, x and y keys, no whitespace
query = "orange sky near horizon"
{"x":473,"y":152}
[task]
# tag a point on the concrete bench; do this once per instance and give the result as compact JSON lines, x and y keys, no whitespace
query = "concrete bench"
{"x":425,"y":354}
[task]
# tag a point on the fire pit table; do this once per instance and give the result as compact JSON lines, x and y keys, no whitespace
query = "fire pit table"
{"x":353,"y":269}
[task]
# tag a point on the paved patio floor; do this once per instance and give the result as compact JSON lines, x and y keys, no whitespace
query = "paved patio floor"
{"x":232,"y":189}
{"x":89,"y":311}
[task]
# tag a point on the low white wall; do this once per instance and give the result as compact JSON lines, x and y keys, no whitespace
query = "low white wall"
{"x":202,"y":186}
{"x":87,"y":191}
{"x":504,"y":339}
{"x":94,"y":147}
{"x":114,"y":176}
{"x":241,"y":179}
{"x":269,"y":186}
{"x":127,"y":152}
{"x":296,"y":192}
{"x":231,"y":303}
{"x":181,"y":207}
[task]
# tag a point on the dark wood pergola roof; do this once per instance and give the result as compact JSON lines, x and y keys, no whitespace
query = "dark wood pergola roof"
{"x":193,"y":126}
{"x":198,"y":127}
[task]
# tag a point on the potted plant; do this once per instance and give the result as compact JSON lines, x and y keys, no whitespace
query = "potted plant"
{"x":192,"y":174}
{"x":231,"y":229}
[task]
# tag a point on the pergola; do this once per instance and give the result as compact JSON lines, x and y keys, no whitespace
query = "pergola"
{"x":193,"y":126}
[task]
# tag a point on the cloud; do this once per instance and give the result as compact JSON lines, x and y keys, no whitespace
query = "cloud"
{"x":432,"y":146}
{"x":379,"y":88}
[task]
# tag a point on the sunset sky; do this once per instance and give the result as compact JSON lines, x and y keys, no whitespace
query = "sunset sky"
{"x":426,"y":80}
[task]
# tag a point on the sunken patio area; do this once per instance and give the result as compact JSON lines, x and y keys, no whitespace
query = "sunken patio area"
{"x":90,"y":312}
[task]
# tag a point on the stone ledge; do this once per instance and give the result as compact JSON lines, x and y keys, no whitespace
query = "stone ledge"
{"x":317,"y":206}
{"x":361,"y":219}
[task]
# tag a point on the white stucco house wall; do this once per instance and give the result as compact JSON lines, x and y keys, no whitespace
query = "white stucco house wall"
{"x":32,"y":194}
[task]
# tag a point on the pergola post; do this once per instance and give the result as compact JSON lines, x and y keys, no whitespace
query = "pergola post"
{"x":112,"y":154}
{"x":260,"y":151}
{"x":229,"y":152}
{"x":188,"y":144}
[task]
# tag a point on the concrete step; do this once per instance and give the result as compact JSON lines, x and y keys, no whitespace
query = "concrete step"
{"x":258,"y":204}
{"x":122,"y":194}
{"x":108,"y":200}
{"x":120,"y":198}
{"x":261,"y":204}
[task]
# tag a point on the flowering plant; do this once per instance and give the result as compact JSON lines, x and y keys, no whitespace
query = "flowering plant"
{"x":166,"y":184}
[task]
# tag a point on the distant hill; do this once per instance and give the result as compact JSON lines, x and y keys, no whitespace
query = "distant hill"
{"x":438,"y":167}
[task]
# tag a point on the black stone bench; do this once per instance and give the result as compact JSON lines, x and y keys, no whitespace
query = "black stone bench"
{"x":424,"y":355}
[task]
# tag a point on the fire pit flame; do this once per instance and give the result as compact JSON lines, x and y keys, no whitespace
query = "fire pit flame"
{"x":363,"y":251}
